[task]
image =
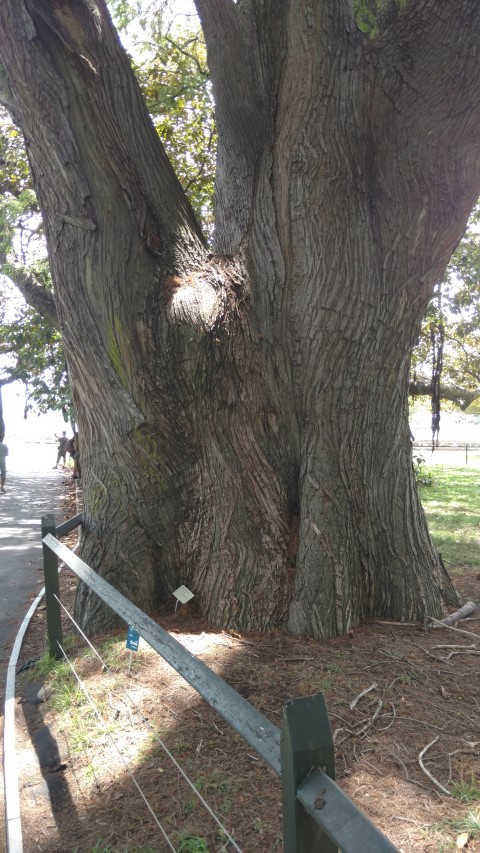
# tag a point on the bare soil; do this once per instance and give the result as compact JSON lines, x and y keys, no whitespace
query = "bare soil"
{"x":83,"y":798}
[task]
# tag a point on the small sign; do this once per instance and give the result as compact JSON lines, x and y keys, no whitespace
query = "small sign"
{"x":183,"y":594}
{"x":133,"y":639}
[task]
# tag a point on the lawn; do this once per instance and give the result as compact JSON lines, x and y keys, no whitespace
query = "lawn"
{"x":452,"y":506}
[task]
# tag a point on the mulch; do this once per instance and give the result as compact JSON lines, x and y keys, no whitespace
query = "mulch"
{"x":392,"y":692}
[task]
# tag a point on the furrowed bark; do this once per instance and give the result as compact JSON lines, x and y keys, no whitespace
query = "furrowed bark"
{"x":243,"y":417}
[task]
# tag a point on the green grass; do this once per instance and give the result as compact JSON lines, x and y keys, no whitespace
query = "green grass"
{"x":466,"y":823}
{"x":452,"y":506}
{"x":466,"y":792}
{"x":192,"y":844}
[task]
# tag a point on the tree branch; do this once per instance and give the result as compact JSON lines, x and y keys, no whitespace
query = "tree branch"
{"x":240,"y":84}
{"x":34,"y":293}
{"x":60,"y":45}
{"x":453,"y":393}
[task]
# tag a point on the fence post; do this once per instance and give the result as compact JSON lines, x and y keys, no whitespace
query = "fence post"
{"x":306,"y":742}
{"x":50,"y":568}
{"x":466,"y":454}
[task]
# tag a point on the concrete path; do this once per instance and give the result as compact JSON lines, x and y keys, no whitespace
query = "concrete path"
{"x":33,"y":489}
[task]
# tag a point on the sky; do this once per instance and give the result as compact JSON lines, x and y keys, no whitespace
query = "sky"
{"x":35,"y":427}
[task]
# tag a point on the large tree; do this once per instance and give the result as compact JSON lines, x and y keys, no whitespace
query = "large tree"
{"x":243,"y":412}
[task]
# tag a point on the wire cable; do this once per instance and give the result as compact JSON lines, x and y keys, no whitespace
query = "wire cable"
{"x":102,"y":721}
{"x":146,"y":722}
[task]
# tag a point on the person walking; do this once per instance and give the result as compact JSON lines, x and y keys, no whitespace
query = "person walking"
{"x":3,"y":467}
{"x":61,"y":449}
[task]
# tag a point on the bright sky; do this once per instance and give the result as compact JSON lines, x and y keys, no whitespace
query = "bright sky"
{"x":35,"y":427}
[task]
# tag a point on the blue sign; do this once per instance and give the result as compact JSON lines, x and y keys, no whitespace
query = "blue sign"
{"x":133,"y":639}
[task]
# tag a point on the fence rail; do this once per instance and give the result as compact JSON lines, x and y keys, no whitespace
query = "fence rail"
{"x":458,"y":446}
{"x":318,"y":817}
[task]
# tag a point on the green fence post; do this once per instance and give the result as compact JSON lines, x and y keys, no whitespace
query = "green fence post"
{"x":466,"y":454}
{"x":306,"y":742}
{"x":50,"y":568}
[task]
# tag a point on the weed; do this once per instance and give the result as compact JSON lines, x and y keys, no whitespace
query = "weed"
{"x":405,"y":678}
{"x":91,"y":771}
{"x":69,"y":643}
{"x":66,"y":696}
{"x":331,"y":667}
{"x":466,"y":792}
{"x":192,"y":844}
{"x":466,"y":823}
{"x":225,"y":806}
{"x":113,"y":653}
{"x":46,"y":666}
{"x":316,"y":683}
{"x":180,"y":746}
{"x":189,"y":806}
{"x":423,"y":476}
{"x":213,"y":783}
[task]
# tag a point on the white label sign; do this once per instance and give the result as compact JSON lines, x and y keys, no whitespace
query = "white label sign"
{"x":183,"y":594}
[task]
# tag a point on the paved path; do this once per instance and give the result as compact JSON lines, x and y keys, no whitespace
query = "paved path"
{"x":33,"y":490}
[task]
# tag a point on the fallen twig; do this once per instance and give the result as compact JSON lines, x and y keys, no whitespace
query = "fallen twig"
{"x":360,"y":695}
{"x":452,"y":628}
{"x":293,"y":659}
{"x":454,"y":654}
{"x":427,"y":772}
{"x":384,"y":729}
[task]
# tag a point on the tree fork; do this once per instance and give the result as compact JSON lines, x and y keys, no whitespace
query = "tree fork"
{"x":243,"y":418}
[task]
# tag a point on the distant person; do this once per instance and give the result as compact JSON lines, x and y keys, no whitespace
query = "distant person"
{"x":3,"y":467}
{"x":72,"y":448}
{"x":61,"y":449}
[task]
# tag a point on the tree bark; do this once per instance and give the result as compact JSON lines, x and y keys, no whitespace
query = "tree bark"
{"x":243,"y":415}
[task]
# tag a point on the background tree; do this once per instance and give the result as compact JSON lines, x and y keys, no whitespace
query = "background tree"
{"x":30,"y":340}
{"x":244,"y":414}
{"x":455,"y":307}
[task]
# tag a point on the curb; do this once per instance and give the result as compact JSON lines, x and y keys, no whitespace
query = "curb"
{"x":10,"y":772}
{"x":13,"y":823}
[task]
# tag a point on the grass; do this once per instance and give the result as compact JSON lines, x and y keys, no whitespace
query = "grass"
{"x":192,"y":844}
{"x":466,"y":823}
{"x":466,"y":792}
{"x":452,"y":507}
{"x":440,"y":834}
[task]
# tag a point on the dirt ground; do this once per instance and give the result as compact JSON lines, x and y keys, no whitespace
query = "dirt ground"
{"x":420,"y":690}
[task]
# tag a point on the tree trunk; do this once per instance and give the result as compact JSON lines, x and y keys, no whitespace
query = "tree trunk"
{"x":243,"y":415}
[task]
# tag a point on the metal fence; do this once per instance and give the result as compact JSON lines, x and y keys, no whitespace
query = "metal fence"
{"x":424,"y":448}
{"x":318,"y":817}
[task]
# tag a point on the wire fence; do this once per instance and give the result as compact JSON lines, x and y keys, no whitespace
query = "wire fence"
{"x":301,"y":753}
{"x":455,"y":454}
{"x":230,"y":842}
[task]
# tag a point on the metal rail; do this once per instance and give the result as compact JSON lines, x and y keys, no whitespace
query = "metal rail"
{"x":262,"y":735}
{"x":318,"y":817}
